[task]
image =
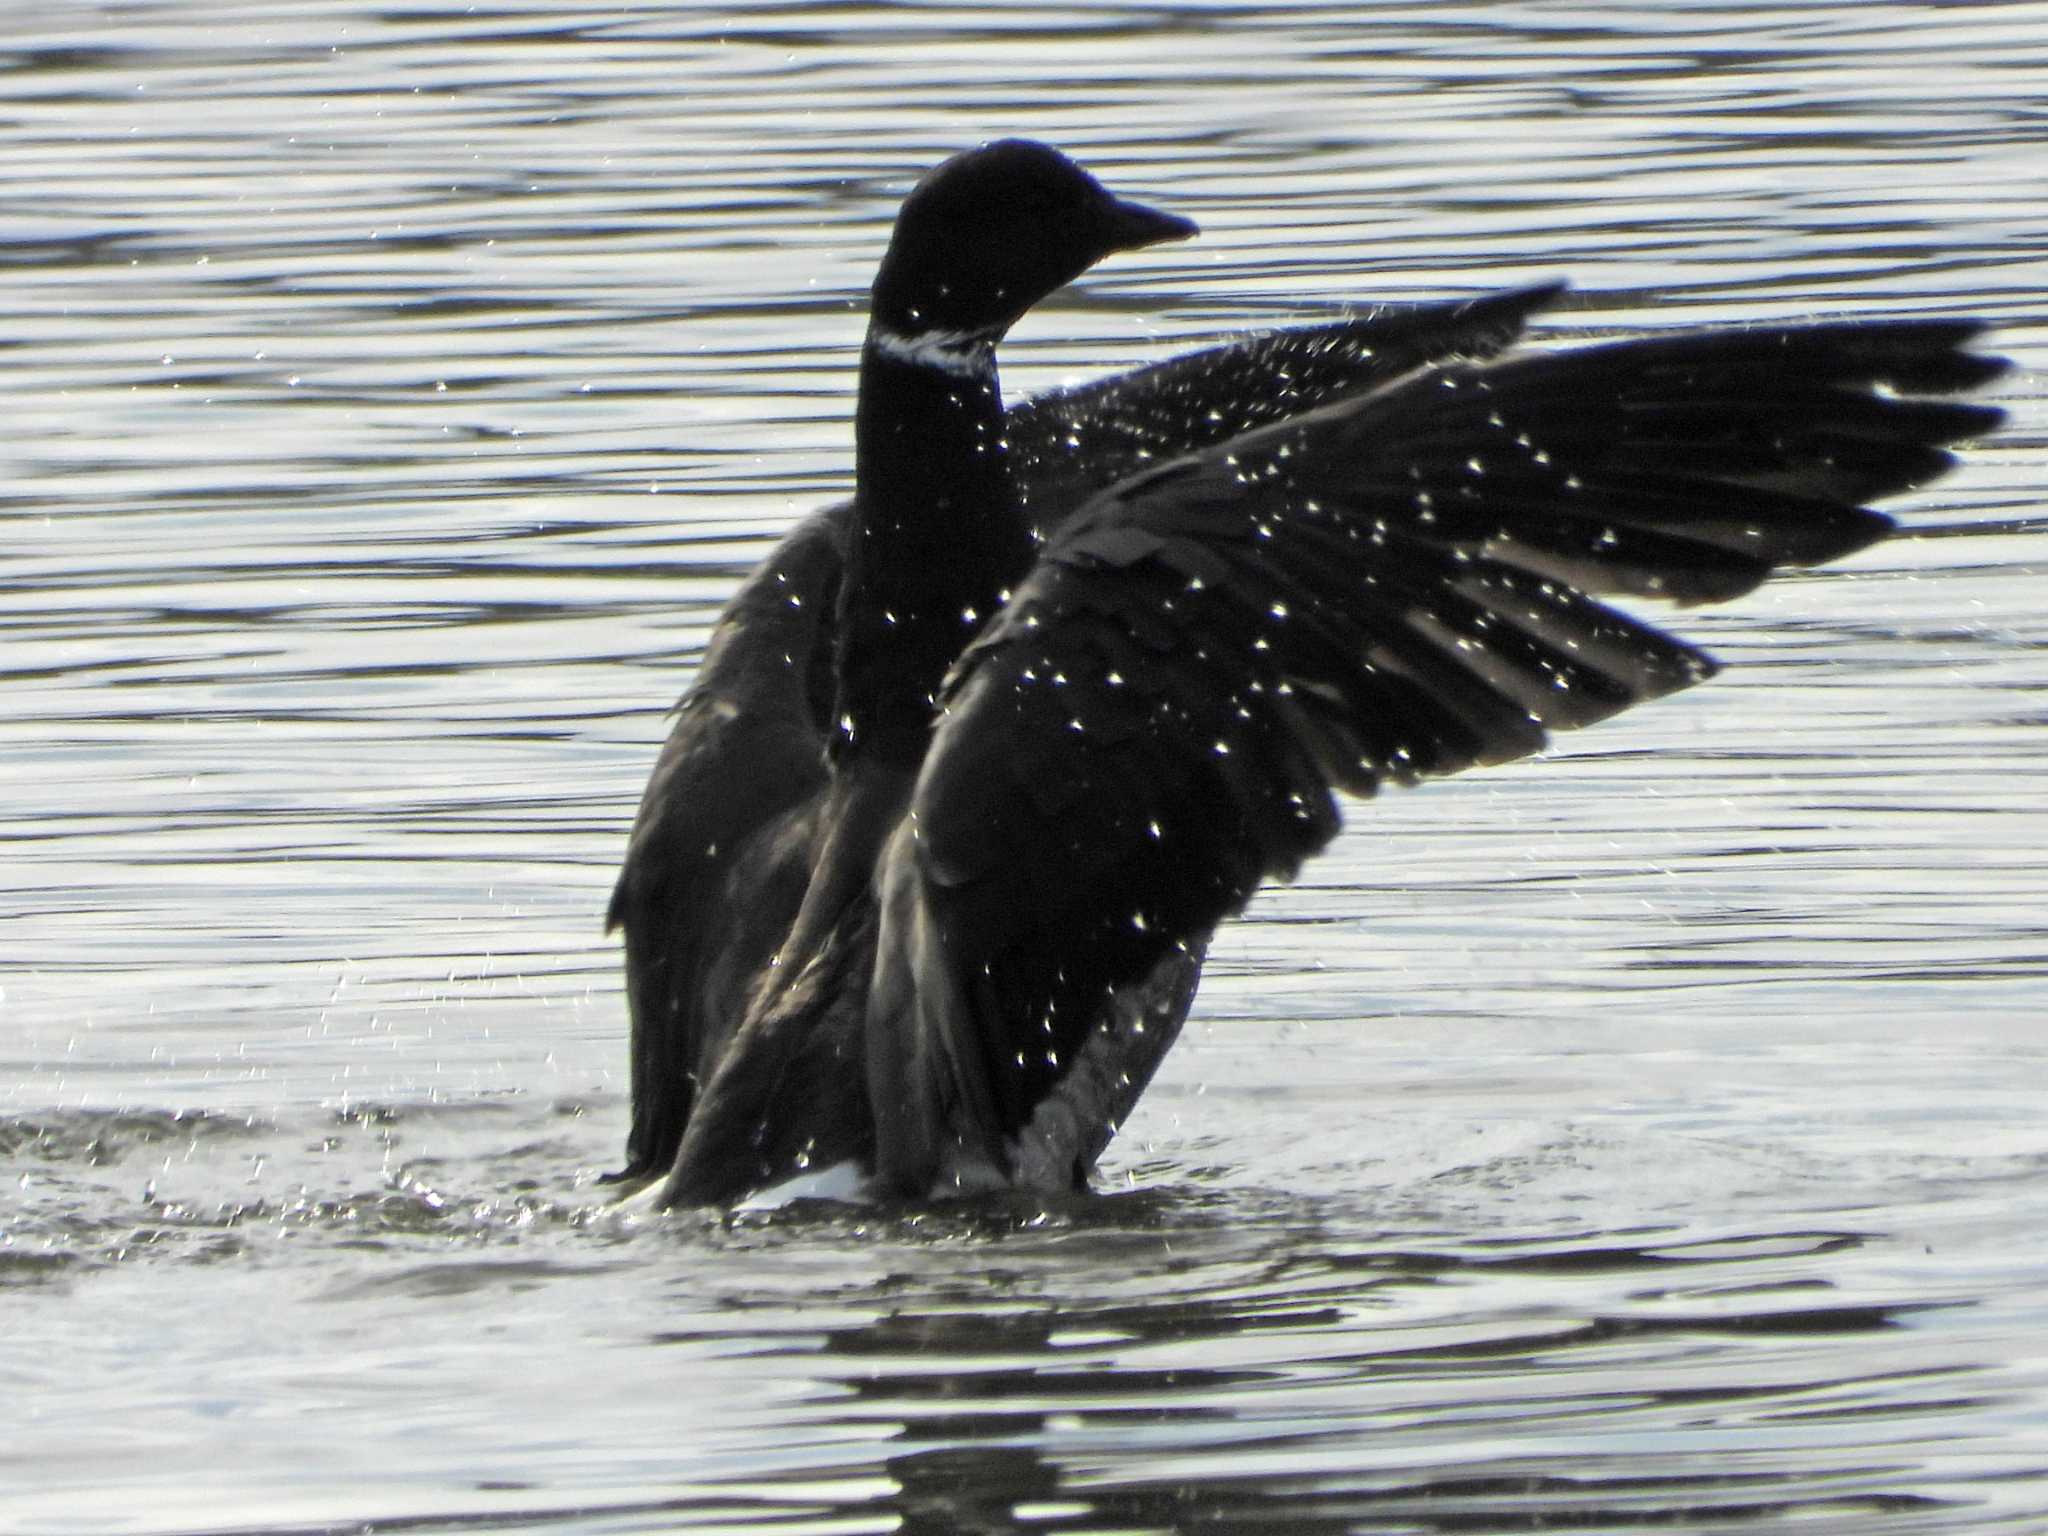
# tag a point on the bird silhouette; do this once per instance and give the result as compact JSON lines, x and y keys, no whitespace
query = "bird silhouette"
{"x":975,"y":763}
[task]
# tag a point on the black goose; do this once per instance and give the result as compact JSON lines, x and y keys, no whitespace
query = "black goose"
{"x":975,"y":763}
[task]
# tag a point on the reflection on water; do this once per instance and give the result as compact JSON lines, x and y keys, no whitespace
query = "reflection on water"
{"x":1650,"y":1135}
{"x":1248,"y":1356}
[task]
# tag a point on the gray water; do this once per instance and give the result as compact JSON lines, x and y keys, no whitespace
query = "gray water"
{"x":1654,"y":1135}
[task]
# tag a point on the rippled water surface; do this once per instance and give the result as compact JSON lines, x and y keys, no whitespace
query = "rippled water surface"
{"x":1653,"y":1135}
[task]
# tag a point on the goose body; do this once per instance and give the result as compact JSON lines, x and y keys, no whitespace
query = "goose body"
{"x":918,"y":894}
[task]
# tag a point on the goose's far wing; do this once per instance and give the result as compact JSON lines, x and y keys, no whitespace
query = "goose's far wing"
{"x":1390,"y":588}
{"x":1069,"y":444}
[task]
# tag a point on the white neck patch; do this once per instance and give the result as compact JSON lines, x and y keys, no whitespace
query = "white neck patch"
{"x":963,"y":354}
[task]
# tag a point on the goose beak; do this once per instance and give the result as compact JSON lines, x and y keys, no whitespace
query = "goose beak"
{"x":1132,"y":225}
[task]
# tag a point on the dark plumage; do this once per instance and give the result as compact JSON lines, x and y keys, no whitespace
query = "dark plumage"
{"x":976,"y":761}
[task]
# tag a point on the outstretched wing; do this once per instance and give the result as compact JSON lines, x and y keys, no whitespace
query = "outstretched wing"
{"x":1388,"y":588}
{"x":1067,"y":445}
